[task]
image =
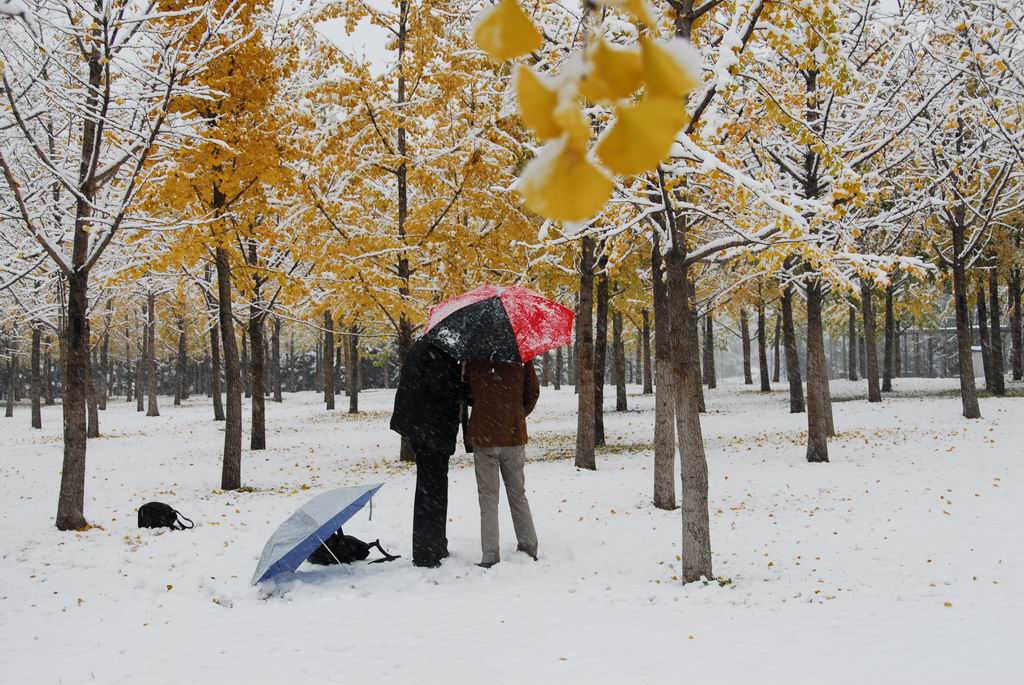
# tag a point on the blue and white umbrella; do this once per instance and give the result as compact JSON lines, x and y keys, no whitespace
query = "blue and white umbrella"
{"x":306,"y":529}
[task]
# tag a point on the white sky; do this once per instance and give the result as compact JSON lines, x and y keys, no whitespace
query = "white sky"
{"x":367,"y":41}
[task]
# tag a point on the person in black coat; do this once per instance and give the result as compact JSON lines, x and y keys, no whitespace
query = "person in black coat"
{"x":427,"y":412}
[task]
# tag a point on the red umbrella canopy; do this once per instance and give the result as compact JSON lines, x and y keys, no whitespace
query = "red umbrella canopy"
{"x":537,"y":323}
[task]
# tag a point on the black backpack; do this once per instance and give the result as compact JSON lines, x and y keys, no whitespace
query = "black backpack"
{"x":160,"y":515}
{"x":345,"y":549}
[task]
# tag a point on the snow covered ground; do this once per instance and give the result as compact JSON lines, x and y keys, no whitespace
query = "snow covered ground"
{"x":901,"y":561}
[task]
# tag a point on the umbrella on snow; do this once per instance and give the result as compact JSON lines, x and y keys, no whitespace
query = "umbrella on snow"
{"x":504,"y":324}
{"x":306,"y":529}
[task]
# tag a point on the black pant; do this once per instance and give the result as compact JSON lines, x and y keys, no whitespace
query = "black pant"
{"x":430,"y":510}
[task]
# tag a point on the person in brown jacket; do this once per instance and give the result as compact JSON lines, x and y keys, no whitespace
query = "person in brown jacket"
{"x":502,"y":395}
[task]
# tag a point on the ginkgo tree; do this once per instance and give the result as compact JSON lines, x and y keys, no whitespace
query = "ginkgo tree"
{"x":222,"y":188}
{"x":971,"y":167}
{"x":91,"y":94}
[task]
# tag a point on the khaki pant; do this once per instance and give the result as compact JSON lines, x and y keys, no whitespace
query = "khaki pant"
{"x":509,"y":461}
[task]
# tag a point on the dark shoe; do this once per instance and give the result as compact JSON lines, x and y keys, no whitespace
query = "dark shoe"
{"x":486,"y":564}
{"x":532,"y":555}
{"x":426,"y":564}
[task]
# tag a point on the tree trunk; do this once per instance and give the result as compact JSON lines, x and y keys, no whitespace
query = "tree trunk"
{"x":762,"y":349}
{"x":9,"y":409}
{"x":585,"y":371}
{"x":218,"y":406}
{"x":775,"y":344}
{"x":231,"y":471}
{"x":998,"y":373}
{"x":600,"y":356}
{"x":401,"y":177}
{"x":558,"y":369}
{"x":692,"y":345}
{"x":141,"y":368}
{"x":128,"y":366}
{"x":92,"y":423}
{"x":796,"y":388}
{"x":266,"y":361}
{"x":664,"y":399}
{"x":619,"y":362}
{"x":16,"y":381}
{"x":545,"y":370}
{"x":696,"y":535}
{"x":871,"y":350}
{"x":986,"y":346}
{"x":709,"y":352}
{"x":181,"y":368}
{"x":344,"y":359}
{"x":852,"y":362}
{"x":328,"y":360}
{"x":353,"y":371}
{"x":75,"y":366}
{"x":152,"y":409}
{"x":104,"y":390}
{"x":275,"y":360}
{"x":645,"y":344}
{"x":36,"y":386}
{"x":246,"y":369}
{"x":1015,"y":325}
{"x":889,"y":363}
{"x":748,"y":379}
{"x":48,"y":366}
{"x":818,"y":428}
{"x":257,"y":377}
{"x":968,"y":393}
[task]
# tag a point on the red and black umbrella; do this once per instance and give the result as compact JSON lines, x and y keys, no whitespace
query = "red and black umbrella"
{"x":502,"y":324}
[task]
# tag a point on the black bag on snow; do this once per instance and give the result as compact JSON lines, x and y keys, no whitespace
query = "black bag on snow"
{"x":345,"y":549}
{"x":160,"y":515}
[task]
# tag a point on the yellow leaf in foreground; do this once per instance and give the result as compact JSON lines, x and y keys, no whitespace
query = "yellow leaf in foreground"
{"x":571,"y":119}
{"x":504,"y":31}
{"x":562,"y":184}
{"x":537,"y":104}
{"x":642,"y":135}
{"x":615,"y":73}
{"x":670,"y":68}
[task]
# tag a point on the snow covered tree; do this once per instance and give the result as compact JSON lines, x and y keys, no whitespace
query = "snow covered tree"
{"x":90,"y":96}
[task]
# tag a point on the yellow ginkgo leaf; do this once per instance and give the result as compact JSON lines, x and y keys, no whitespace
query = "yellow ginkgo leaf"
{"x":537,"y":104}
{"x":642,"y":135}
{"x":615,"y":73}
{"x":670,"y":68}
{"x":504,"y":31}
{"x":562,"y":184}
{"x":571,"y":120}
{"x":638,"y":8}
